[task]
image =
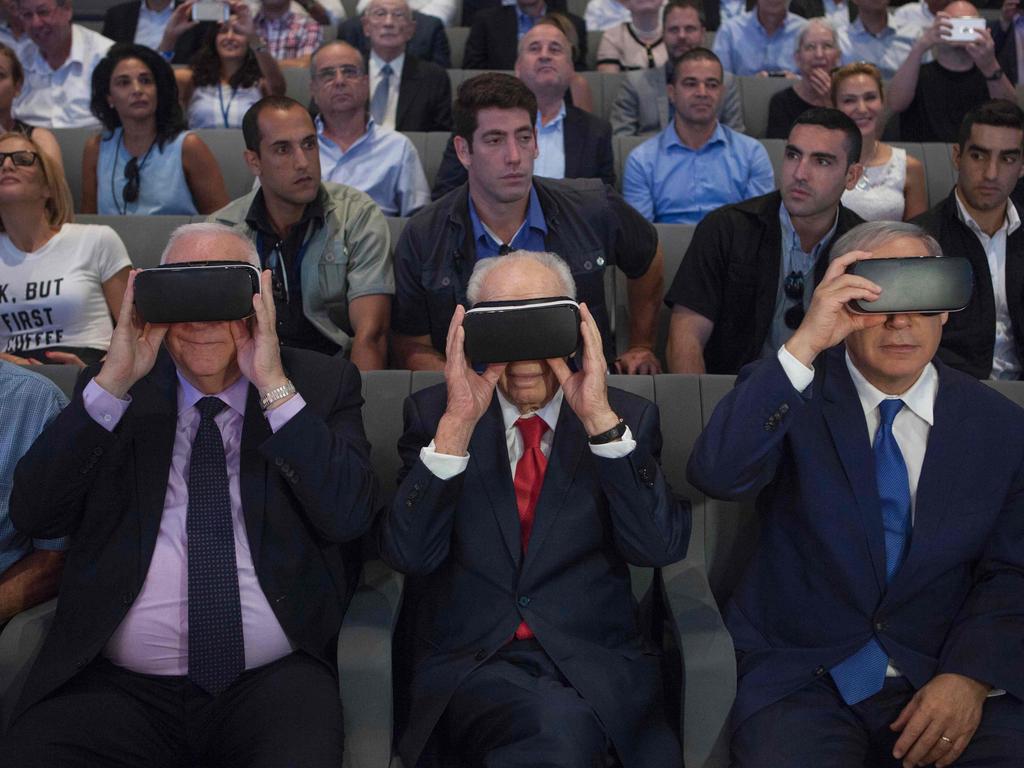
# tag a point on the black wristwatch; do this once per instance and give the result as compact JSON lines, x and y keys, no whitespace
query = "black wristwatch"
{"x":995,"y":75}
{"x":610,"y":436}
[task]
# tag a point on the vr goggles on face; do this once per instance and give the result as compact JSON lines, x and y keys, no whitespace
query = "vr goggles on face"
{"x":197,"y":291}
{"x":530,"y":329}
{"x":925,"y":285}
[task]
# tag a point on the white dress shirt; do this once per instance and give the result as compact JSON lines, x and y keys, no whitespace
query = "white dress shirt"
{"x":444,"y":10}
{"x":1005,"y":363}
{"x":445,"y":466}
{"x":376,"y":64}
{"x":60,"y":98}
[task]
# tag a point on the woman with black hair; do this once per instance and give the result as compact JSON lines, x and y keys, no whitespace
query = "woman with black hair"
{"x":145,"y":162}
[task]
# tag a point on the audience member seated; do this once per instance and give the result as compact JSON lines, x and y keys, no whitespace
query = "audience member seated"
{"x":838,"y":13}
{"x":354,"y":149}
{"x":409,"y":93}
{"x":889,"y":492}
{"x":761,"y":41}
{"x":232,"y":71}
{"x":144,"y":22}
{"x":1008,"y":38}
{"x":12,"y":78}
{"x":428,"y":41}
{"x":695,"y":165}
{"x":442,"y":10}
{"x":12,"y":30}
{"x":816,"y":55}
{"x":572,"y":144}
{"x":980,"y":221}
{"x":634,"y":44}
{"x":875,"y":37}
{"x":327,"y":244}
{"x":208,"y":589}
{"x":145,"y":163}
{"x":291,"y":37}
{"x":65,"y":280}
{"x":29,"y":568}
{"x":918,"y":15}
{"x":641,"y":105}
{"x":601,"y":15}
{"x":504,"y":207}
{"x":891,"y":186}
{"x":494,"y":37}
{"x":565,"y":679}
{"x":933,"y":98}
{"x":746,"y":279}
{"x":58,"y":66}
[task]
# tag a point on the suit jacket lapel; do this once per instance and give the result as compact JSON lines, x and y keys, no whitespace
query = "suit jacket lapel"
{"x":407,"y":88}
{"x":253,"y":479}
{"x":489,"y":453}
{"x":845,"y":420}
{"x":572,"y":138}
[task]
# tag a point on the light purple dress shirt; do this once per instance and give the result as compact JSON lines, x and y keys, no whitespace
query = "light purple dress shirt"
{"x":153,"y":637}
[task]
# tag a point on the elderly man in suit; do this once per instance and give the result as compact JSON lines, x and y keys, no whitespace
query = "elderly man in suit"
{"x":573,"y":144}
{"x":206,"y":486}
{"x":524,"y":488}
{"x":403,"y":31}
{"x":880,"y":619}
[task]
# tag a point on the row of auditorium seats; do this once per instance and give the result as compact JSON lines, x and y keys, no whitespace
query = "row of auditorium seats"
{"x":722,"y":541}
{"x":227,"y":146}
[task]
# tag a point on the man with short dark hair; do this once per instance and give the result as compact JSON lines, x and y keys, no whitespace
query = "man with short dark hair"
{"x":760,"y":41}
{"x":326,"y":244}
{"x":878,"y":620}
{"x":503,"y":207}
{"x":695,"y":165}
{"x":979,"y":220}
{"x":746,"y":279}
{"x":641,"y":105}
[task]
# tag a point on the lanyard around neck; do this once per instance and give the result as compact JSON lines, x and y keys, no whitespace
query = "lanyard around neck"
{"x":225,"y":110}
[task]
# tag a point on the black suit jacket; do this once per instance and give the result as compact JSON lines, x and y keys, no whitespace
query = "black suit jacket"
{"x":120,"y":21}
{"x":424,"y":97}
{"x":470,"y":8}
{"x":494,"y":40}
{"x":588,"y":153}
{"x":1006,"y":49}
{"x":429,"y":42}
{"x":459,"y":541}
{"x":969,"y":336}
{"x":304,"y":489}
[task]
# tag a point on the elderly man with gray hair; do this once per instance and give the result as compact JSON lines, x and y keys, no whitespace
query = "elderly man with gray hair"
{"x":816,"y":55}
{"x":525,"y":487}
{"x":207,"y":476}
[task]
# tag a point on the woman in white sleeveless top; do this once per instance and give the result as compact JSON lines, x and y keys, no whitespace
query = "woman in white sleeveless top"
{"x":892,"y":186}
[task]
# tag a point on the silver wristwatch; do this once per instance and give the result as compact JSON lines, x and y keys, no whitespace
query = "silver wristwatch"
{"x":278,"y":393}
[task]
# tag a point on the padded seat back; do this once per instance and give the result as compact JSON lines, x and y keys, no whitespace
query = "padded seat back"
{"x":227,"y":145}
{"x":72,"y":143}
{"x":145,"y":237}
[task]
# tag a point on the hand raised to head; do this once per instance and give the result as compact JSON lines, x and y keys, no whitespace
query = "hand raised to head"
{"x":256,"y":342}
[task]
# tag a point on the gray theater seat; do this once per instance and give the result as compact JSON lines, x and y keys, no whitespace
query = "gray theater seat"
{"x":457,"y":37}
{"x":297,"y":84}
{"x":72,"y":142}
{"x":227,"y":146}
{"x":938,"y":170}
{"x":755,"y":93}
{"x":144,"y":236}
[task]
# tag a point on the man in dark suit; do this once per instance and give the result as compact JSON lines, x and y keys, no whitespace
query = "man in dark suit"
{"x":880,"y":619}
{"x":980,"y":221}
{"x":206,"y":488}
{"x":505,"y":519}
{"x":426,"y":41}
{"x":142,"y":22}
{"x":579,"y":143}
{"x":493,"y":41}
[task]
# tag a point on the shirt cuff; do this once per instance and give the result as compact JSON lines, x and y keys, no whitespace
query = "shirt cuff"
{"x":443,"y":466}
{"x":799,"y":375}
{"x":56,"y":545}
{"x":284,"y":413}
{"x":105,"y":409}
{"x":615,"y":450}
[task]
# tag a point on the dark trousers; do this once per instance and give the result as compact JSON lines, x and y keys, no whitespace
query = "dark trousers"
{"x":518,"y":711}
{"x":813,"y":727}
{"x":283,"y":714}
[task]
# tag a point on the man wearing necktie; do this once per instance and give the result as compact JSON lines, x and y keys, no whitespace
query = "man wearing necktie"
{"x":525,"y":492}
{"x":880,"y":621}
{"x":205,"y":477}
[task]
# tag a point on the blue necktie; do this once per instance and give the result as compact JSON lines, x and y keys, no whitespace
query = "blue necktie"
{"x":863,"y":674}
{"x":216,"y":650}
{"x":379,"y":102}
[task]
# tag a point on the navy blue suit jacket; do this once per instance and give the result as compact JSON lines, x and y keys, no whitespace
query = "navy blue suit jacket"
{"x":815,"y":591}
{"x":459,"y":541}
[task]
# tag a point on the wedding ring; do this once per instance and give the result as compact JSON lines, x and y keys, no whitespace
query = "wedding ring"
{"x":946,"y":739}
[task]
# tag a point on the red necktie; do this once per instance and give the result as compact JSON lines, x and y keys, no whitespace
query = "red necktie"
{"x":528,"y":481}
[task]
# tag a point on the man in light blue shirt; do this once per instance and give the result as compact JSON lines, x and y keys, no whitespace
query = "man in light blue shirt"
{"x":695,"y":164}
{"x":354,"y":150}
{"x":877,"y":37}
{"x":761,"y":40}
{"x":29,"y":568}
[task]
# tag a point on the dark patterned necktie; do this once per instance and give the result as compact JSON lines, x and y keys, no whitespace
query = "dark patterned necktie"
{"x":216,"y":651}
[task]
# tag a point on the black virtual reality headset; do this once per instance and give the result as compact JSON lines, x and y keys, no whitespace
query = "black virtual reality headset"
{"x":196,"y":291}
{"x":909,"y":284}
{"x":531,"y":329}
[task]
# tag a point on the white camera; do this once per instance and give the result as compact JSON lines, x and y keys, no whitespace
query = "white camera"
{"x":210,"y":10}
{"x":966,"y":29}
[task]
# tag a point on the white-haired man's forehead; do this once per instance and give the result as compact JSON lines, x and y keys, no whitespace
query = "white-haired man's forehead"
{"x":209,"y":246}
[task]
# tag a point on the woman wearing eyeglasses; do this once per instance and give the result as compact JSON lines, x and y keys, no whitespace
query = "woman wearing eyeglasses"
{"x":144,"y":163}
{"x":12,"y":77}
{"x":817,"y":53}
{"x":231,"y":71}
{"x":892,"y":185}
{"x":62,"y":282}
